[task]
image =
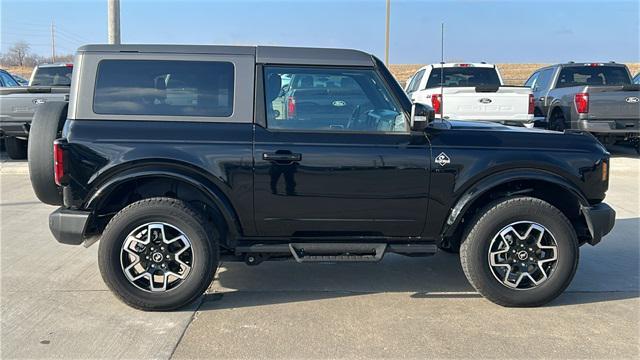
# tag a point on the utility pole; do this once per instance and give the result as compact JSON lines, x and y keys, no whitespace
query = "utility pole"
{"x":386,"y":48}
{"x":114,"y":21}
{"x":53,"y":41}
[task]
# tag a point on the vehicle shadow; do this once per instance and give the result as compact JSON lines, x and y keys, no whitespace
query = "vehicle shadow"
{"x":607,"y":272}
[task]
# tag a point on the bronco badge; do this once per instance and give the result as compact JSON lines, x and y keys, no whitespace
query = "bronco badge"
{"x":442,"y":159}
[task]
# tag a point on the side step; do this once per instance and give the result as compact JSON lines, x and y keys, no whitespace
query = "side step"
{"x":319,"y":252}
{"x":331,"y":252}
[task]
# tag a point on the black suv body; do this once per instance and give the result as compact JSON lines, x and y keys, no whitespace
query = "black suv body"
{"x":187,"y":148}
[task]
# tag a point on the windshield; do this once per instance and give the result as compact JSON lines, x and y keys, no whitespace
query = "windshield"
{"x":593,"y":75}
{"x":463,"y":77}
{"x":53,"y":76}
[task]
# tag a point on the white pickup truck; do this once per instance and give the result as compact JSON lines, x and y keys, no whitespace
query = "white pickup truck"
{"x":471,"y":91}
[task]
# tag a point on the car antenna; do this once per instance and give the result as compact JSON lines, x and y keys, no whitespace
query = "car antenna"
{"x":441,"y":71}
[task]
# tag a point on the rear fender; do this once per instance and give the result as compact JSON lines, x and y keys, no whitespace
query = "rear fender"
{"x":211,"y":190}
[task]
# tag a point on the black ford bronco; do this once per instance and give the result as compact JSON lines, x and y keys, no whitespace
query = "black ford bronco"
{"x":176,"y":157}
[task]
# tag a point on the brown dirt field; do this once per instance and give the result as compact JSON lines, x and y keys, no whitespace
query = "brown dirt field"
{"x":513,"y":74}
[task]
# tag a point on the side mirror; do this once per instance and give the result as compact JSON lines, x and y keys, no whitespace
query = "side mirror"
{"x":421,"y":116}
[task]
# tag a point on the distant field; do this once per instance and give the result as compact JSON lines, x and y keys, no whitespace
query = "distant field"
{"x":513,"y":74}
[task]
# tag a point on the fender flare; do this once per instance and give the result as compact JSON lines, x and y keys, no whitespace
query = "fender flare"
{"x":484,"y":185}
{"x":198,"y":181}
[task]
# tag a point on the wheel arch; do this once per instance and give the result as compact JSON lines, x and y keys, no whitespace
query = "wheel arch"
{"x":547,"y":186}
{"x":145,"y":181}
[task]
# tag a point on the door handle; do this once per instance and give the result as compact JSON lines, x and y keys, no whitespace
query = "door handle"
{"x":281,"y":157}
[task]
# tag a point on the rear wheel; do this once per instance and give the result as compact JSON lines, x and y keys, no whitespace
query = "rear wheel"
{"x":158,"y":254}
{"x":521,"y":252}
{"x":16,"y":148}
{"x":557,"y":121}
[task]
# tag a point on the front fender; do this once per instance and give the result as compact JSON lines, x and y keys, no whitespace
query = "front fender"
{"x":486,"y":184}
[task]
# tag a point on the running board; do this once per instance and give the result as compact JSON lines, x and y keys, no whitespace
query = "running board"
{"x":332,"y":252}
{"x":320,"y":252}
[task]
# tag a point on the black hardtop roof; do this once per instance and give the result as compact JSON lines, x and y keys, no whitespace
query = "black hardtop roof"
{"x":263,"y":54}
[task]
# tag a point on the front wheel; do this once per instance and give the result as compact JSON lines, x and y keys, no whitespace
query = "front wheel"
{"x":158,"y":254}
{"x":521,"y":252}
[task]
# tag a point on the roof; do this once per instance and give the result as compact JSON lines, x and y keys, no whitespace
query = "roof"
{"x":263,"y":54}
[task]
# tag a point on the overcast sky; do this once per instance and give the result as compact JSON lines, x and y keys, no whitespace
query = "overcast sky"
{"x":494,"y":31}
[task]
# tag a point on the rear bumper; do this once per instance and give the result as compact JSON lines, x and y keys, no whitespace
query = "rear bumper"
{"x":600,"y":220}
{"x":19,"y":129}
{"x":68,"y":226}
{"x":620,"y":127}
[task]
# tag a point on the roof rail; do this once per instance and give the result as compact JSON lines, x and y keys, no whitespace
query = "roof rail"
{"x":571,"y":62}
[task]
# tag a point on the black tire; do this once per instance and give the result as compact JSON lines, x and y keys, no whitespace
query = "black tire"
{"x":16,"y":148}
{"x":46,"y":126}
{"x":474,"y":252}
{"x":204,"y":243}
{"x":557,"y":121}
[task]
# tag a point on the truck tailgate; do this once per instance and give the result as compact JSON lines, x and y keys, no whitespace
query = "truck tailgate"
{"x":469,"y":103}
{"x":17,"y":105}
{"x":614,"y":103}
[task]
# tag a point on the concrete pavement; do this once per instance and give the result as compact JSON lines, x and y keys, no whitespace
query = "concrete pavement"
{"x":53,"y":303}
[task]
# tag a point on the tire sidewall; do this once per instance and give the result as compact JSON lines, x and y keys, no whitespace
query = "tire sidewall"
{"x":500,"y":217}
{"x":201,"y":273}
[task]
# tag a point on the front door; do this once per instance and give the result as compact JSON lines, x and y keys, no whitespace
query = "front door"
{"x":336,"y":157}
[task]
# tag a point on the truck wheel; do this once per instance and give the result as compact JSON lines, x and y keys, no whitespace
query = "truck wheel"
{"x":557,"y":121}
{"x":16,"y":148}
{"x":46,"y":126}
{"x":520,"y":252}
{"x":158,"y":254}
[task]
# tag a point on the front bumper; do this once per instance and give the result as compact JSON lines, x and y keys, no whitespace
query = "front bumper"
{"x":68,"y":226}
{"x":610,"y":126}
{"x":600,"y":220}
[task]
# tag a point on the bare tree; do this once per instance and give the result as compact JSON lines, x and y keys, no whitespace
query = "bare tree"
{"x":18,"y":52}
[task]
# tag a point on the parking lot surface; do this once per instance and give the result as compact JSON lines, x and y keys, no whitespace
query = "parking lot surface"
{"x":54,"y":303}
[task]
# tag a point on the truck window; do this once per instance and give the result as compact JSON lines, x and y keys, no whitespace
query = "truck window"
{"x":324,"y":99}
{"x":415,"y":81}
{"x":164,"y":87}
{"x":53,"y":76}
{"x":532,"y":80}
{"x":463,"y":77}
{"x":593,"y":75}
{"x":544,"y":79}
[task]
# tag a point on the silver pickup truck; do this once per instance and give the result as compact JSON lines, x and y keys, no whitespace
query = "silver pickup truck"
{"x":596,"y":97}
{"x":48,"y":82}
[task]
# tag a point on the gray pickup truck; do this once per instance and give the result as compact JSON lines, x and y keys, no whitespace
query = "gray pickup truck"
{"x":49,"y":82}
{"x":596,"y":97}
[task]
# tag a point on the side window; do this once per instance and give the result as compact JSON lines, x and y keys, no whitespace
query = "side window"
{"x":544,"y":79}
{"x":7,"y":80}
{"x":532,"y":80}
{"x":329,"y":99}
{"x":416,"y":81}
{"x":164,"y":87}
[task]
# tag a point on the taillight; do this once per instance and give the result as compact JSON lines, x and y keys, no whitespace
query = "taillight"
{"x":531,"y":104}
{"x":436,"y":103}
{"x":582,"y":103}
{"x":291,"y":107}
{"x":58,"y":163}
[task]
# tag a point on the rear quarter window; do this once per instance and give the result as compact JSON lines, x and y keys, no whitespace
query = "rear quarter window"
{"x":164,"y":87}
